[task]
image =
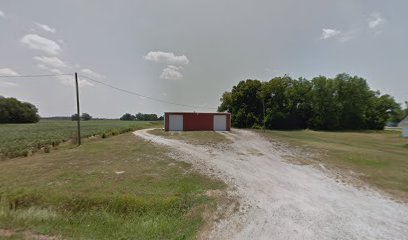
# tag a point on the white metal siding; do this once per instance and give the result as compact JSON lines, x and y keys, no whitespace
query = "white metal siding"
{"x":175,"y":122}
{"x":405,"y":132}
{"x":220,"y":123}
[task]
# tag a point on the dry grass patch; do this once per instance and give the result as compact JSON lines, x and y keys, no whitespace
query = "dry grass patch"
{"x":208,"y":138}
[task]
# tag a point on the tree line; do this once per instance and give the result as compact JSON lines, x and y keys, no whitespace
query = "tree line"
{"x":140,"y":117}
{"x":84,"y":117}
{"x":15,"y":111}
{"x":341,"y":103}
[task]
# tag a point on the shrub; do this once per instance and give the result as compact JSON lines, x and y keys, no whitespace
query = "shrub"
{"x":46,"y":149}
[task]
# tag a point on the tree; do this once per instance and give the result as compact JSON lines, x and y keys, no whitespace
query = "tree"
{"x":397,"y":115}
{"x":341,"y":103}
{"x":381,"y":109}
{"x":406,"y":109}
{"x":146,"y":117}
{"x":139,"y":116}
{"x":325,"y":105}
{"x":287,"y":102}
{"x":14,"y":111}
{"x":86,"y":117}
{"x":244,"y":104}
{"x":74,"y":117}
{"x":127,"y":117}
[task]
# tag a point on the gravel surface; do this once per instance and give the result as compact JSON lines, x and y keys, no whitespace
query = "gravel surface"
{"x":280,"y":200}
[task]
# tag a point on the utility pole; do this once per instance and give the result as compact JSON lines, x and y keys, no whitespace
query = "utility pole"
{"x":79,"y":117}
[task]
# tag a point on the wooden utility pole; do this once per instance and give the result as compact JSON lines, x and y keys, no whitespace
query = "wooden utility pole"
{"x":78,"y":115}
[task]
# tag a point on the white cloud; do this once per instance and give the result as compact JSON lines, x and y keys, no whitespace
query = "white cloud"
{"x":37,"y":42}
{"x":375,"y":20}
{"x":167,"y":58}
{"x":8,"y":72}
{"x":51,"y":61}
{"x":172,"y":73}
{"x":52,"y":65}
{"x":91,"y":73}
{"x":2,"y":14}
{"x":45,"y":27}
{"x":328,"y":33}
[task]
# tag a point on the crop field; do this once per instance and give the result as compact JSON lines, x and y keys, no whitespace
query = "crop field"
{"x":379,"y":158}
{"x":25,"y":139}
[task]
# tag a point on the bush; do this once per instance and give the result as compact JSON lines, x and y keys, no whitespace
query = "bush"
{"x":46,"y":149}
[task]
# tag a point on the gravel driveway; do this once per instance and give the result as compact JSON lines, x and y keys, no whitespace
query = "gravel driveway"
{"x":280,"y":200}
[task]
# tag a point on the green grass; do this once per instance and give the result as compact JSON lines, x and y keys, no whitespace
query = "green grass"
{"x":194,"y":137}
{"x":24,"y":139}
{"x":77,"y":193}
{"x":380,"y":157}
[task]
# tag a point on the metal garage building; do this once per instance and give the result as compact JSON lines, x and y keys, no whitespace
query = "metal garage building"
{"x":193,"y":121}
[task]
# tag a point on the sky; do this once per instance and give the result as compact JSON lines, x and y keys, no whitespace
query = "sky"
{"x":190,"y":52}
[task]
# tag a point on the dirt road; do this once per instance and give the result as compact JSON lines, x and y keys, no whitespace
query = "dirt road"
{"x":280,"y":200}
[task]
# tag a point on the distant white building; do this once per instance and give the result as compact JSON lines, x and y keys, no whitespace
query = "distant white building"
{"x":404,"y":125}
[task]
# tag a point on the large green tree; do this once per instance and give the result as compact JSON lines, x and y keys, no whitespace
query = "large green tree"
{"x":14,"y":111}
{"x":244,"y":104}
{"x":343,"y":102}
{"x":287,"y":102}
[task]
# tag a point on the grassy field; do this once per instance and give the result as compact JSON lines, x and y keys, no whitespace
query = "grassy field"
{"x":195,"y":137}
{"x":116,"y":188}
{"x":380,"y":158}
{"x":24,"y":139}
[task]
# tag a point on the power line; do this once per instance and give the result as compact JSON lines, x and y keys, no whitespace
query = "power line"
{"x":144,"y":96}
{"x":36,"y":75}
{"x":107,"y":85}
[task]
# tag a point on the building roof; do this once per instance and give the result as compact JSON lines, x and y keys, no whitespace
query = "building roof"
{"x":404,"y":123}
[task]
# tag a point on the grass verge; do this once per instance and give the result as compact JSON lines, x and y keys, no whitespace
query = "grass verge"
{"x":379,"y":158}
{"x":116,"y":188}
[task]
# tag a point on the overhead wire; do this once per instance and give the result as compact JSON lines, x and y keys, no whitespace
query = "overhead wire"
{"x":110,"y":86}
{"x":144,"y":96}
{"x":35,"y":75}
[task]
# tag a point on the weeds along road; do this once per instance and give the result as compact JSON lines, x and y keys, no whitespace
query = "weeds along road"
{"x":279,"y":200}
